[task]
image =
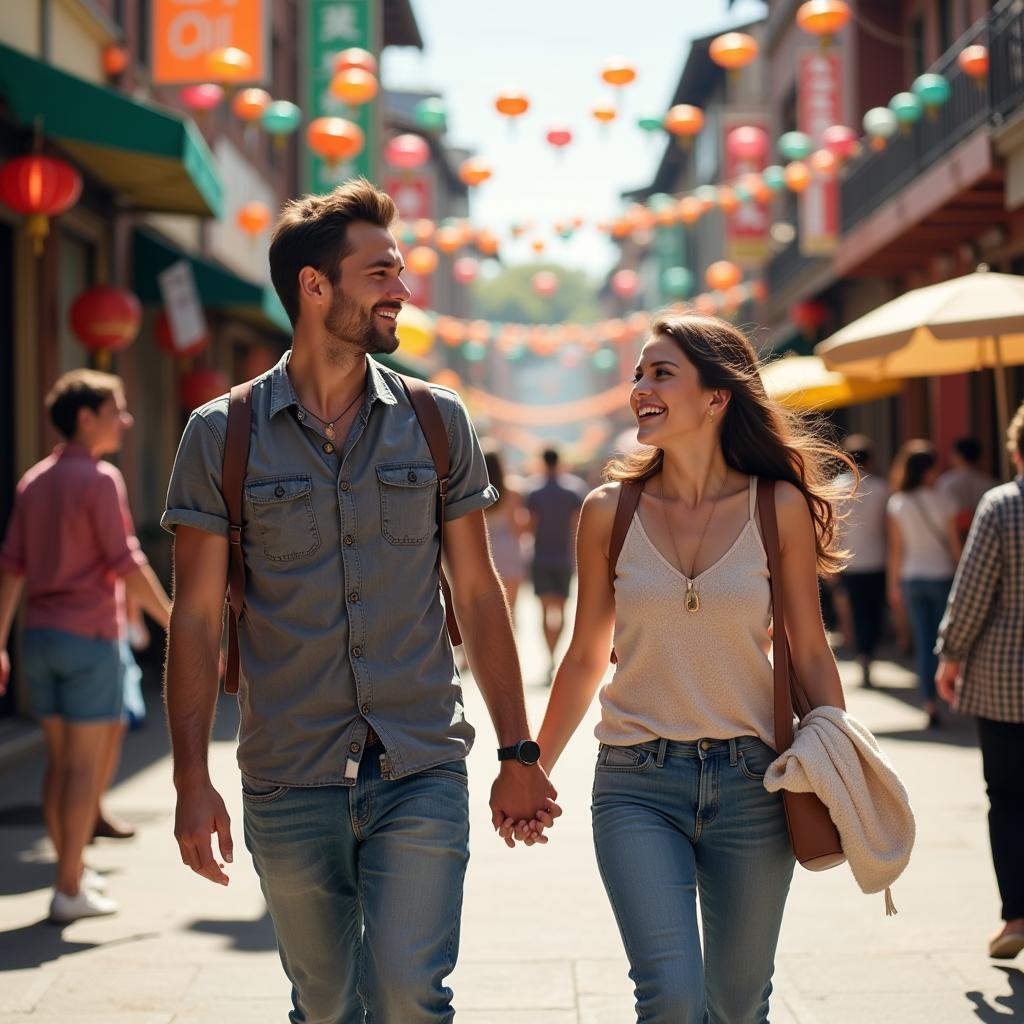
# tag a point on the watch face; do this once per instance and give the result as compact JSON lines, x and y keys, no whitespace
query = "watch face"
{"x":529,"y":752}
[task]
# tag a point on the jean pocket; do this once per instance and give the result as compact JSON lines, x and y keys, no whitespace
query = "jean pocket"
{"x":256,"y":791}
{"x":754,"y":761}
{"x":624,"y":759}
{"x":408,"y":501}
{"x":281,"y":508}
{"x":453,"y":770}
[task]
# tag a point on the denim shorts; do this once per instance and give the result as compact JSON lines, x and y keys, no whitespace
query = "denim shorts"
{"x":74,"y":677}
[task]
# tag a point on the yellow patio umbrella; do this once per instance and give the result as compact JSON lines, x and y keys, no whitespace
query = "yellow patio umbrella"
{"x":973,"y":322}
{"x":806,"y":384}
{"x":415,"y":331}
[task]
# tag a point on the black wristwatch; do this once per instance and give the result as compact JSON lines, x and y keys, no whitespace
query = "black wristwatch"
{"x":525,"y":752}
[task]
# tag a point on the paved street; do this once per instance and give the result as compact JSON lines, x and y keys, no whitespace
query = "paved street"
{"x":539,"y":943}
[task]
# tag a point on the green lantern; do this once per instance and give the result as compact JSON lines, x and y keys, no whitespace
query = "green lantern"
{"x":660,"y":201}
{"x":907,"y":108}
{"x":431,"y":115}
{"x":649,"y":124}
{"x":281,"y":117}
{"x":774,"y":177}
{"x":742,"y":193}
{"x":677,"y":282}
{"x":474,"y":352}
{"x":605,"y":360}
{"x":932,"y":90}
{"x":795,"y":146}
{"x":707,"y":194}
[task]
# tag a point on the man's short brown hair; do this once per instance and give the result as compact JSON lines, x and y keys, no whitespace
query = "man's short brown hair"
{"x":80,"y":389}
{"x":312,"y":232}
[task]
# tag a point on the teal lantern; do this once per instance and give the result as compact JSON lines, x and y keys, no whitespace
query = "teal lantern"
{"x":881,"y":124}
{"x":565,"y":234}
{"x":605,"y":359}
{"x":281,"y":117}
{"x":774,"y":177}
{"x":742,"y":193}
{"x":677,"y":282}
{"x":408,"y":236}
{"x":649,"y":124}
{"x":707,"y":194}
{"x":932,"y":90}
{"x":659,"y":201}
{"x":795,"y":146}
{"x":474,"y":352}
{"x":907,"y":108}
{"x":431,"y":115}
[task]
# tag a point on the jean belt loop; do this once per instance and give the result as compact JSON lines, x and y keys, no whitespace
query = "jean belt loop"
{"x":662,"y":747}
{"x":732,"y":752}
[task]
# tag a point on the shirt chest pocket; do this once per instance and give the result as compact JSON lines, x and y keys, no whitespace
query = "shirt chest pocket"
{"x":408,"y":501}
{"x":281,"y":510}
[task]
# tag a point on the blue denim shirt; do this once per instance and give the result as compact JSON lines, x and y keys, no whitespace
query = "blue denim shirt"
{"x":344,"y":622}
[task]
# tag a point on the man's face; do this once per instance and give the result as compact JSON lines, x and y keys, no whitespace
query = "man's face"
{"x":102,"y":431}
{"x":369,"y":292}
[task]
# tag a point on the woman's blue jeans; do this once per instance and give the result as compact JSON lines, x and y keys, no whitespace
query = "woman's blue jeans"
{"x":672,"y":820}
{"x":926,"y":604}
{"x":364,"y":885}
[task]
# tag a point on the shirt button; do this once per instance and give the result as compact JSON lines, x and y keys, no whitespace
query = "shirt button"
{"x":357,"y":652}
{"x":353,"y":597}
{"x":279,"y":491}
{"x":328,"y":447}
{"x":365,"y":709}
{"x":300,"y":415}
{"x":412,"y":477}
{"x":349,"y":540}
{"x":354,"y":747}
{"x":345,"y":485}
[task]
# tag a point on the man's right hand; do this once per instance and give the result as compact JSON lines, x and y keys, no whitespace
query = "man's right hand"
{"x":201,"y":812}
{"x":5,"y":670}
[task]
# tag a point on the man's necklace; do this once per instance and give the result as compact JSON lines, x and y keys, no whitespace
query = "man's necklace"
{"x":329,"y":424}
{"x":692,"y":599}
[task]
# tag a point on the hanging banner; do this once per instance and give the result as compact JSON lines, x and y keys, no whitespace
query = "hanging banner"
{"x":413,"y":198}
{"x":186,"y":32}
{"x":819,"y":105}
{"x":746,"y":228}
{"x":185,"y":316}
{"x":333,"y":26}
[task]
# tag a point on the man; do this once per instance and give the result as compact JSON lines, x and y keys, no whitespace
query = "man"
{"x":69,"y":544}
{"x":965,"y":482}
{"x":554,"y":505}
{"x":352,"y":741}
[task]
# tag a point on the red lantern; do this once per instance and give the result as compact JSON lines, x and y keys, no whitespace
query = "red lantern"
{"x":335,"y":139}
{"x":841,"y":141}
{"x":747,"y":142}
{"x":465,"y":269}
{"x":544,"y":283}
{"x":115,"y":60}
{"x":733,"y":51}
{"x":723,"y":275}
{"x":197,"y":387}
{"x":809,"y":316}
{"x":354,"y":57}
{"x":39,"y":187}
{"x":625,"y":283}
{"x":973,"y":61}
{"x":165,"y":340}
{"x":106,"y":319}
{"x":474,"y":171}
{"x":253,"y":218}
{"x":201,"y":98}
{"x":407,"y":152}
{"x":559,"y":137}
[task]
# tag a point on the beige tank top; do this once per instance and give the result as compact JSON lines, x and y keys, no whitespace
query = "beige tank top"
{"x":690,"y":675}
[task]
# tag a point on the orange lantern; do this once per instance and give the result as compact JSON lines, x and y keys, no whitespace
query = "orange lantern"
{"x":537,"y":245}
{"x":824,"y":163}
{"x":618,"y":72}
{"x":727,"y":199}
{"x":487,"y":243}
{"x":733,"y":50}
{"x":474,"y":171}
{"x":354,"y":86}
{"x":691,"y":209}
{"x":335,"y":139}
{"x":758,"y":291}
{"x":354,"y":57}
{"x":229,"y":65}
{"x":423,"y":230}
{"x":705,"y":305}
{"x":823,"y":18}
{"x":479,"y":331}
{"x":736,"y":296}
{"x":604,"y":113}
{"x":249,"y":104}
{"x":39,"y":187}
{"x":757,"y":188}
{"x":448,"y":239}
{"x":450,"y":331}
{"x":666,"y":216}
{"x":684,"y":121}
{"x":511,"y":104}
{"x":722,"y":275}
{"x":797,"y":176}
{"x":253,"y":218}
{"x":115,"y":60}
{"x":447,"y":379}
{"x":421,"y":261}
{"x":973,"y":61}
{"x":106,"y":319}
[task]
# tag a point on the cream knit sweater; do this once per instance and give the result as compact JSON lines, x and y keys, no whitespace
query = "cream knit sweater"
{"x":836,"y":757}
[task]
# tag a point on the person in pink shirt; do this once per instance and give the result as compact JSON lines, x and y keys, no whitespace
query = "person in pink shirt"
{"x":69,"y":545}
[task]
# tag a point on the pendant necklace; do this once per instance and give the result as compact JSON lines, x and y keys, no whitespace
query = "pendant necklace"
{"x":329,"y":424}
{"x":692,"y":598}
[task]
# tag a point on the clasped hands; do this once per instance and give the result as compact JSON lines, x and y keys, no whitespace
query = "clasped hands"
{"x":523,"y":804}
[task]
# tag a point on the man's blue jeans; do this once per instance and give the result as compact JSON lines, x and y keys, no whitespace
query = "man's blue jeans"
{"x":673,"y":819}
{"x":926,"y":604}
{"x":364,"y":885}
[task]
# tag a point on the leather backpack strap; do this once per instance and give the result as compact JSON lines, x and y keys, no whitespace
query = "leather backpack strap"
{"x":236,"y":462}
{"x":429,"y":417}
{"x":629,"y":499}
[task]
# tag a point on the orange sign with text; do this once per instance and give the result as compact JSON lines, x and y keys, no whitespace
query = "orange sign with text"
{"x":186,"y":32}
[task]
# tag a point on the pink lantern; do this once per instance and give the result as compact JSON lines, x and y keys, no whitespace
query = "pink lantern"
{"x":201,"y":98}
{"x":841,"y":141}
{"x":748,"y":142}
{"x":545,"y":283}
{"x":625,"y":283}
{"x":407,"y":152}
{"x":465,"y":269}
{"x":559,"y":137}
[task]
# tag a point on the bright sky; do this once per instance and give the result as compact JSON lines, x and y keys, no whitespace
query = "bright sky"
{"x":553,"y":51}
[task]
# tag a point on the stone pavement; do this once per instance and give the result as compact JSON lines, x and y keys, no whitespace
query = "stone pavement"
{"x":539,"y":943}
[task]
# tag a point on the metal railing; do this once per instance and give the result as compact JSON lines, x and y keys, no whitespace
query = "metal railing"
{"x":786,"y":265}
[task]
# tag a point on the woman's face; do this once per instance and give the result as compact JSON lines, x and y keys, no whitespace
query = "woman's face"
{"x":667,"y":398}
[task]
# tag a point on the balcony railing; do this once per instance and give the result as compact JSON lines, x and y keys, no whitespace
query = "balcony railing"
{"x":876,"y":177}
{"x":788,"y":264}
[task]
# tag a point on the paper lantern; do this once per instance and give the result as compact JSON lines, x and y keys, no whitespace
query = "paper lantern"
{"x":165,"y":339}
{"x":407,"y":152}
{"x":748,"y":142}
{"x":39,"y":187}
{"x":684,"y":121}
{"x":281,"y":118}
{"x":201,"y":98}
{"x":229,"y":65}
{"x":450,"y":331}
{"x":447,"y":378}
{"x":421,"y":261}
{"x":334,"y":139}
{"x":841,"y":141}
{"x":722,"y":275}
{"x":755,"y":187}
{"x":604,"y":114}
{"x":448,"y":239}
{"x":544,"y":283}
{"x":774,"y":177}
{"x":795,"y":146}
{"x":474,"y":171}
{"x":511,"y":104}
{"x":823,"y":163}
{"x":625,"y":283}
{"x":691,"y":209}
{"x":650,"y":124}
{"x":487,"y":242}
{"x":705,"y":305}
{"x":880,"y":124}
{"x":708,"y":196}
{"x":932,"y":90}
{"x":973,"y":61}
{"x":250,"y":104}
{"x":354,"y":57}
{"x":727,"y":199}
{"x":559,"y":137}
{"x":423,"y":230}
{"x":197,"y":387}
{"x":823,"y":18}
{"x":253,"y":218}
{"x":908,"y":109}
{"x":115,"y":60}
{"x":106,"y":319}
{"x":733,"y":50}
{"x":465,"y":269}
{"x":538,"y":246}
{"x":677,"y":282}
{"x":431,"y":114}
{"x":479,"y":331}
{"x":809,"y":315}
{"x":618,"y":72}
{"x":797,"y":175}
{"x":605,"y":360}
{"x":354,"y":86}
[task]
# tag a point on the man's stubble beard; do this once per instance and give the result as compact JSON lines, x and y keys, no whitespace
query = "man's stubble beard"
{"x":348,"y":325}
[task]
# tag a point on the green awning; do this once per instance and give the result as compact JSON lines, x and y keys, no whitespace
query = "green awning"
{"x":218,"y":287}
{"x":155,"y":159}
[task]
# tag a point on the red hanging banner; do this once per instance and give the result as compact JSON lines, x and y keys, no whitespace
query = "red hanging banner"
{"x":819,"y":105}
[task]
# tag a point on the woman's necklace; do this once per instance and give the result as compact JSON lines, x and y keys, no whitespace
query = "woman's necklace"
{"x":692,"y":599}
{"x":329,"y":424}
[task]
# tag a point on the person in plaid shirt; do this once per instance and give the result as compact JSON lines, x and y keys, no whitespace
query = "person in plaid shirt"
{"x":981,"y":673}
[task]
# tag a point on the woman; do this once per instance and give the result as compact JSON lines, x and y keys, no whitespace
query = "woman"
{"x":981,"y":648}
{"x":686,"y":728}
{"x":505,"y":527}
{"x":924,"y":547}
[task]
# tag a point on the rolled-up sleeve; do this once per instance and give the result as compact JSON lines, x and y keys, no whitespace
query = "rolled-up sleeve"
{"x":194,"y":496}
{"x":469,"y":488}
{"x":112,"y":524}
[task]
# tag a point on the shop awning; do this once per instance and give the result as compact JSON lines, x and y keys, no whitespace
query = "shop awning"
{"x":218,"y":288}
{"x":153,"y":158}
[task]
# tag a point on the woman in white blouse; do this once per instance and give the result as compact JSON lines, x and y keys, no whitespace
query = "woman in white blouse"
{"x":924,"y":548}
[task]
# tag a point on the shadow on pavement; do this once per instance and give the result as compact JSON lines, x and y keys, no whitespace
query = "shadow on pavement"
{"x":1002,"y":1008}
{"x":246,"y":936}
{"x":33,"y":945}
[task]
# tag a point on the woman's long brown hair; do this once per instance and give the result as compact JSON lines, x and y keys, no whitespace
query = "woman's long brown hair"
{"x":760,"y":437}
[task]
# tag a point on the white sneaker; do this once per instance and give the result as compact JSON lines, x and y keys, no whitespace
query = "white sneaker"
{"x":64,"y":908}
{"x":93,"y":880}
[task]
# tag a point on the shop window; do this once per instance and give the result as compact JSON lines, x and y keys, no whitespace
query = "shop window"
{"x":76,"y":272}
{"x":944,"y":11}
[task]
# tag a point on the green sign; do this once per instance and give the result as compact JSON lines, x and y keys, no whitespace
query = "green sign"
{"x":333,"y":26}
